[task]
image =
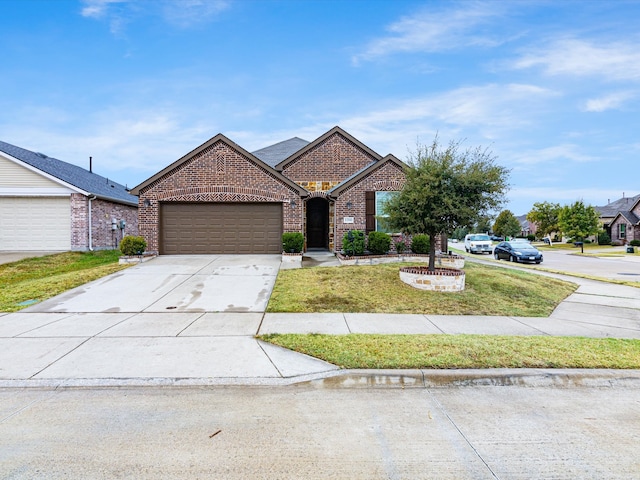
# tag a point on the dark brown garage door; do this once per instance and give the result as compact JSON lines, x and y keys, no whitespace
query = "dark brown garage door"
{"x":203,"y":228}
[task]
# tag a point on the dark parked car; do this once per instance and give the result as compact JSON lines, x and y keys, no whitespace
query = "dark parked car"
{"x":495,"y":238}
{"x":517,"y":251}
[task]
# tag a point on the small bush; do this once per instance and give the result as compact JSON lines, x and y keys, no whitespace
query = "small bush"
{"x":531,"y":237}
{"x":400,"y":247}
{"x":379,"y":243}
{"x":586,"y":240}
{"x":353,"y":243}
{"x":635,"y":243}
{"x":292,"y":242}
{"x":131,"y":245}
{"x":604,"y":238}
{"x":420,"y":244}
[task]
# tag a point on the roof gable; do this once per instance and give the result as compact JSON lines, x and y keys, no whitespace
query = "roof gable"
{"x":335,"y":130}
{"x":629,"y":216}
{"x":212,"y":141}
{"x":70,"y":175}
{"x":364,"y":172}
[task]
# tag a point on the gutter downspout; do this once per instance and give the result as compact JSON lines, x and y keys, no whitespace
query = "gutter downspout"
{"x":91,"y":198}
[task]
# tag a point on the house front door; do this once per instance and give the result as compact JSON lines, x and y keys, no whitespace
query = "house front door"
{"x":317,"y":223}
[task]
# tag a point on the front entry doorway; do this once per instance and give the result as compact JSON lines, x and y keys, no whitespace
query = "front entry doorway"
{"x":317,"y":223}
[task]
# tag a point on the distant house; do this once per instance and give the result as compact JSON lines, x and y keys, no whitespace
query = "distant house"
{"x":526,"y":227}
{"x":220,"y":198}
{"x":50,"y":205}
{"x":621,"y":219}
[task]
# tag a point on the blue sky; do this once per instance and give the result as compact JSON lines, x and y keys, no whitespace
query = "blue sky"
{"x":552,"y":88}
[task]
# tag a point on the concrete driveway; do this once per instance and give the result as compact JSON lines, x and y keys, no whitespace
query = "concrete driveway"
{"x":176,"y":283}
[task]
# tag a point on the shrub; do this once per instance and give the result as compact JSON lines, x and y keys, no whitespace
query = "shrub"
{"x":131,"y":245}
{"x":379,"y":243}
{"x":400,"y":247}
{"x":586,"y":240}
{"x":531,"y":237}
{"x":635,"y":243}
{"x":292,"y":242}
{"x":420,"y":244}
{"x":604,"y":238}
{"x":353,"y":243}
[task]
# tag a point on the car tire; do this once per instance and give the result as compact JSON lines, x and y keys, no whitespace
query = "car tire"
{"x":512,"y":258}
{"x":466,"y":249}
{"x":538,"y":262}
{"x":496,"y":256}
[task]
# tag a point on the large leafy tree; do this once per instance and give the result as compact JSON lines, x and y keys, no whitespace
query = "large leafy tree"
{"x":446,"y":188}
{"x":578,"y":221}
{"x":507,"y":224}
{"x":545,"y":216}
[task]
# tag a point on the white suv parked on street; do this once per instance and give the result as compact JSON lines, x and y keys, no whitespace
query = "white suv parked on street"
{"x":477,"y":243}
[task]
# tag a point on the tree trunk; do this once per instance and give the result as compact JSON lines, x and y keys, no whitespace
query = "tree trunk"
{"x":432,"y":252}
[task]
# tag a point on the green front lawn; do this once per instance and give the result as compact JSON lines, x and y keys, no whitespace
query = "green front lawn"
{"x":36,"y":279}
{"x":356,"y":351}
{"x":378,"y":289}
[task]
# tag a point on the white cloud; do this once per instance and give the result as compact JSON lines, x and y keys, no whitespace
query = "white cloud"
{"x":97,"y":8}
{"x":179,"y":13}
{"x":553,"y":154}
{"x":608,"y":102}
{"x":185,"y":13}
{"x":573,"y":57}
{"x":429,"y":31}
{"x":564,"y":196}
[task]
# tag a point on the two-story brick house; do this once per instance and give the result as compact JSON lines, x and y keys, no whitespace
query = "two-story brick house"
{"x":220,"y":198}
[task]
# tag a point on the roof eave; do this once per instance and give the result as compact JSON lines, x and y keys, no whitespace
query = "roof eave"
{"x":338,"y":189}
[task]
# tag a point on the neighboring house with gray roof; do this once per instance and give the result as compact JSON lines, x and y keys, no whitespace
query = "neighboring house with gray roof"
{"x":50,"y":205}
{"x":621,"y":219}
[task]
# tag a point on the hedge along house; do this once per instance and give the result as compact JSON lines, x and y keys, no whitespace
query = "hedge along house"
{"x":50,"y":205}
{"x":219,"y":198}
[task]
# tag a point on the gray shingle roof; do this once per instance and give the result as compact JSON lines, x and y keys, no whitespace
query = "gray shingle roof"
{"x":72,"y":174}
{"x":632,"y":217}
{"x":621,"y":205}
{"x":274,"y":154}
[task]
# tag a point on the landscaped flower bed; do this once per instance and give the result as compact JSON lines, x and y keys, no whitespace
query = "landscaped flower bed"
{"x":440,"y":280}
{"x":442,"y":260}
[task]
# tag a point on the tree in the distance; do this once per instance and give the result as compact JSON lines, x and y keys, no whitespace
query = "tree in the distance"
{"x":578,"y":221}
{"x":545,"y":216}
{"x":506,"y":224}
{"x":446,"y":188}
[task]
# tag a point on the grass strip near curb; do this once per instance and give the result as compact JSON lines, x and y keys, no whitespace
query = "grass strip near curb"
{"x":36,"y":279}
{"x":356,"y":351}
{"x":378,"y":289}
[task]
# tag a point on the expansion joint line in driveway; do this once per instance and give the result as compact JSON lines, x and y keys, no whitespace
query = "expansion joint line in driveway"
{"x":475,"y":450}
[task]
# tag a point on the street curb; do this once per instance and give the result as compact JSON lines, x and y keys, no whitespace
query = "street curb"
{"x":383,"y":379}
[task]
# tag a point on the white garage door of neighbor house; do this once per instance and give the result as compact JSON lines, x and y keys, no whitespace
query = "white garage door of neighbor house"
{"x":35,"y":223}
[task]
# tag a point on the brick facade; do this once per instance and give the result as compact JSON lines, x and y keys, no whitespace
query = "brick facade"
{"x":388,"y":177}
{"x":218,"y":173}
{"x":332,"y":161}
{"x":632,"y":230}
{"x":102,"y":214}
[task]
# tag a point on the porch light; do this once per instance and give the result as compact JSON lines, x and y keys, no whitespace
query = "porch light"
{"x":349,"y":205}
{"x":292,"y":203}
{"x":146,"y":202}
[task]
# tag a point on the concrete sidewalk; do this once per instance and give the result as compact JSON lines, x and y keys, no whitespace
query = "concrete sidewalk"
{"x":47,"y":349}
{"x":193,"y":320}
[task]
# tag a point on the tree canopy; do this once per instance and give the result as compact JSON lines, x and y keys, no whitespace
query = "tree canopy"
{"x":545,"y":216}
{"x":507,"y":224}
{"x":578,"y":221}
{"x":446,"y":188}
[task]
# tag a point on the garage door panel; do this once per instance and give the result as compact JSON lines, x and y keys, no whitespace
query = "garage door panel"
{"x":203,"y":228}
{"x":35,"y":223}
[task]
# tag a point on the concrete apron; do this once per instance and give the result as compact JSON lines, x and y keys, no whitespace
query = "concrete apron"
{"x":175,"y":317}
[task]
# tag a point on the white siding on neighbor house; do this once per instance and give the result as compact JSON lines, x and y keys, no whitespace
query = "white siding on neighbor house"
{"x":13,"y":175}
{"x":35,"y":223}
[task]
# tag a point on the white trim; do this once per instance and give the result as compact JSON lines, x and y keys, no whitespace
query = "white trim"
{"x":44,"y":174}
{"x":35,"y":192}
